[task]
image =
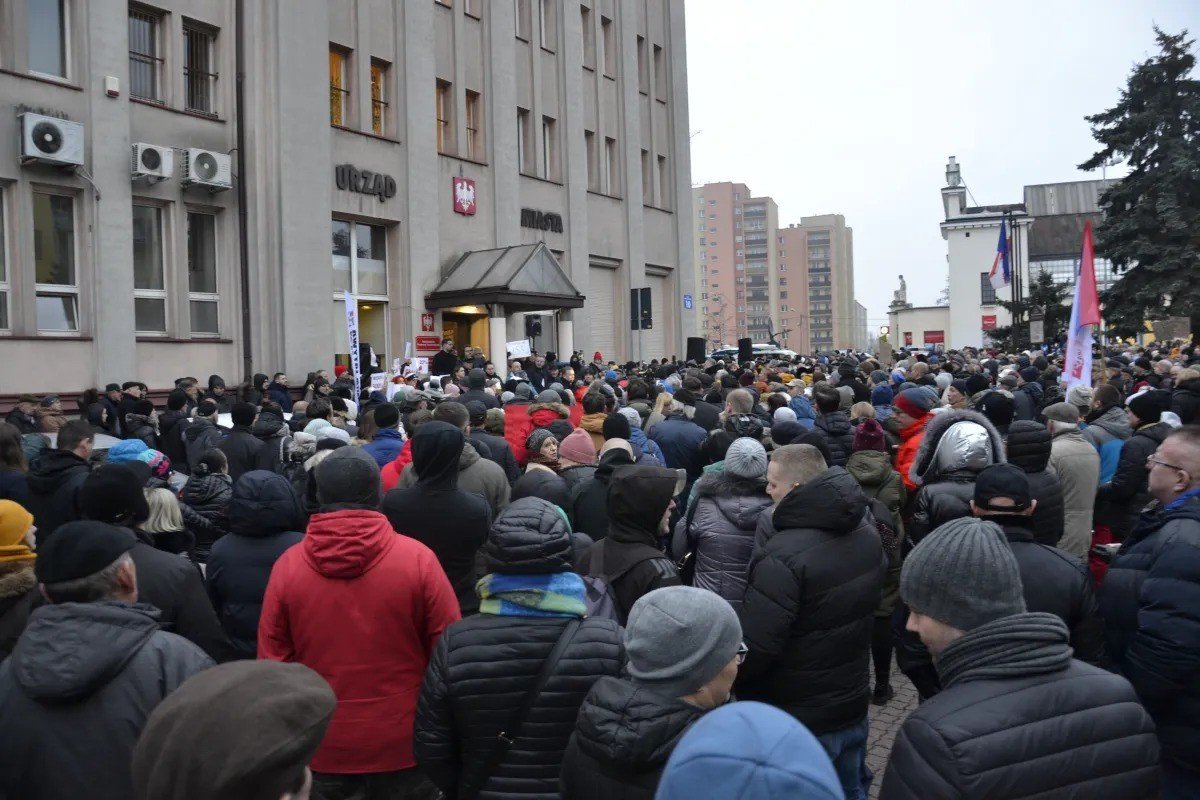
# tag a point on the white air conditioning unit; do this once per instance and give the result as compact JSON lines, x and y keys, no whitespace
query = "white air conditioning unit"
{"x":153,"y":162}
{"x":49,"y":140}
{"x":208,"y":168}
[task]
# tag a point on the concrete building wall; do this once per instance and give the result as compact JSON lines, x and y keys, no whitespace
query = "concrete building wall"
{"x":617,"y":173}
{"x":910,"y":326}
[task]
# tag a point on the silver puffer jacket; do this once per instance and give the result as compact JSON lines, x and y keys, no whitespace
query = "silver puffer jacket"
{"x":958,"y":445}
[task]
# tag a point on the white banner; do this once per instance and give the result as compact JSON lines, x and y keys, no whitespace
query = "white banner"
{"x":518,"y":349}
{"x":352,"y":335}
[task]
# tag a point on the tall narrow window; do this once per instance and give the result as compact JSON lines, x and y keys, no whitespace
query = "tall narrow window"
{"x":548,"y":23}
{"x":473,"y":8}
{"x":144,"y":60}
{"x":47,"y":28}
{"x":549,"y":149}
{"x":613,"y":159}
{"x":987,"y":292}
{"x":589,"y":37}
{"x":445,"y":134}
{"x":642,"y":69}
{"x":339,"y":86}
{"x":379,"y":93}
{"x":524,"y":142}
{"x":149,"y":290}
{"x":54,"y":262}
{"x":664,"y":183}
{"x":199,"y":79}
{"x":474,"y":125}
{"x":360,"y":258}
{"x":609,"y":44}
{"x":593,"y":161}
{"x":4,"y":321}
{"x":202,"y":273}
{"x":523,"y":19}
{"x":660,"y":74}
{"x":647,"y":179}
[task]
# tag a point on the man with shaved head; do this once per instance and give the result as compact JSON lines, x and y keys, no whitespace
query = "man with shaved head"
{"x":1151,"y":604}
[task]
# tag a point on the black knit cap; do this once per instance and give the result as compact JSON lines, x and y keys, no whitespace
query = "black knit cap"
{"x":1002,"y":480}
{"x":113,"y":494}
{"x":81,"y":548}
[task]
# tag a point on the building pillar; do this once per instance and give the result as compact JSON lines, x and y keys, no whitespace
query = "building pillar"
{"x":497,"y":339}
{"x":566,"y":335}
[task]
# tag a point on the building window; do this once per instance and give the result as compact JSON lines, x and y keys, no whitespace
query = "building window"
{"x":473,"y":8}
{"x":609,"y":45}
{"x":474,"y":126}
{"x":379,"y":91}
{"x":144,"y":60}
{"x":593,"y":161}
{"x":202,"y":273}
{"x":149,"y":289}
{"x":523,"y":20}
{"x":445,"y":133}
{"x":359,"y":259}
{"x":664,"y":183}
{"x":589,"y":37}
{"x":642,"y":68}
{"x":4,"y":291}
{"x":54,"y":262}
{"x":660,"y":74}
{"x":647,"y":180}
{"x":525,"y":155}
{"x":47,"y":27}
{"x":549,"y":149}
{"x":987,"y":293}
{"x":199,"y":80}
{"x":613,"y":159}
{"x":339,"y":86}
{"x":548,"y":23}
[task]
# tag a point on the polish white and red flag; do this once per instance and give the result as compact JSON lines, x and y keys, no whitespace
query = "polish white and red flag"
{"x":1085,"y":313}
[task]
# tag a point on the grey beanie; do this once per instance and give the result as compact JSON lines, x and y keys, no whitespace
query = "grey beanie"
{"x":524,"y":392}
{"x":746,"y":458}
{"x":847,"y":398}
{"x":549,"y":396}
{"x":963,"y":574}
{"x":348,"y":476}
{"x":680,"y":638}
{"x":1080,"y":395}
{"x":631,"y":414}
{"x":507,"y":397}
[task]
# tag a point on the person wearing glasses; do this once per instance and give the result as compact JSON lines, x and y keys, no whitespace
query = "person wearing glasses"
{"x":684,"y":647}
{"x":1150,"y":601}
{"x":1127,"y":493}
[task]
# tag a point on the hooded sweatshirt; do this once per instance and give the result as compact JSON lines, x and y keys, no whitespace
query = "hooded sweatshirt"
{"x":76,"y":693}
{"x":477,"y":475}
{"x":422,"y":510}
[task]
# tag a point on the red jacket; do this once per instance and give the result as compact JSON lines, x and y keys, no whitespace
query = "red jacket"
{"x":517,"y":427}
{"x":364,"y":607}
{"x":910,"y":442}
{"x":390,"y":474}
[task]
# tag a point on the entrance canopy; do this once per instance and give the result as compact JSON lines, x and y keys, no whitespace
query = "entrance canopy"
{"x":523,"y":278}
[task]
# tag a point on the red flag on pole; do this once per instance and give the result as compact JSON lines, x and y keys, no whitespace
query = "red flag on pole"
{"x":1087,"y":297}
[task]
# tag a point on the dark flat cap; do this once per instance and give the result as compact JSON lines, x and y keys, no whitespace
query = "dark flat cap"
{"x":79,"y":549}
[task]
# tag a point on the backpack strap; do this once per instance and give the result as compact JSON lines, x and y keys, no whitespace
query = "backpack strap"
{"x":507,"y":736}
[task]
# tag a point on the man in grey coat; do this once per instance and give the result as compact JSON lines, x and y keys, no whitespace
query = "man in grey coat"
{"x":1077,"y":464}
{"x":86,"y":673}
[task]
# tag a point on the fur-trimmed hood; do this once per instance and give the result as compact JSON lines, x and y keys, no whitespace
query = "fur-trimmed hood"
{"x":17,"y":582}
{"x":961,"y":453}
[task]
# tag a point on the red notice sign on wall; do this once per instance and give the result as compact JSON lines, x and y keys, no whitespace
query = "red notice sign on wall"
{"x":989,"y":322}
{"x":935,"y":337}
{"x":428,"y":344}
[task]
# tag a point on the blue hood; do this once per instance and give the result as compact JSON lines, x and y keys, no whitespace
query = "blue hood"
{"x":751,"y":751}
{"x":804,"y":410}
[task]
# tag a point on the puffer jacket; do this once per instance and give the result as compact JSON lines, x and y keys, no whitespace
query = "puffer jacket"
{"x":622,"y":740}
{"x":208,"y":497}
{"x":469,"y":694}
{"x":139,"y":426}
{"x":1150,"y":601}
{"x":815,"y":580}
{"x":838,"y":433}
{"x":274,"y":433}
{"x":385,"y":447}
{"x":76,"y":693}
{"x":950,"y":456}
{"x":242,"y":449}
{"x":719,"y":529}
{"x":651,"y":455}
{"x":1024,"y":721}
{"x":476,"y":475}
{"x":1128,"y":492}
{"x":1028,"y":446}
{"x":200,"y":437}
{"x":266,"y":518}
{"x":1185,"y":401}
{"x":50,"y":420}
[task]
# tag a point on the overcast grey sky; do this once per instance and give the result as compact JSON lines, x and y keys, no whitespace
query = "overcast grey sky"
{"x":852,"y":107}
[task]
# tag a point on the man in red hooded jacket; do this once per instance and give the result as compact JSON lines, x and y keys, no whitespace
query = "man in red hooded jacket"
{"x":912,"y":410}
{"x":363,"y":607}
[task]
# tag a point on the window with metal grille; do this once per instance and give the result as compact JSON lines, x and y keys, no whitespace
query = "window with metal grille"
{"x":199,"y":79}
{"x":379,"y":105}
{"x":144,"y":61}
{"x":987,"y":292}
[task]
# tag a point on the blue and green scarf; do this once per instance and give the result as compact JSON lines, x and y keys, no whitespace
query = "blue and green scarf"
{"x":560,"y":594}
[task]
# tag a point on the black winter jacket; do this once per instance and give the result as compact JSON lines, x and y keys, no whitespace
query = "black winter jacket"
{"x":452,"y":523}
{"x":1150,"y":601}
{"x":266,"y":518}
{"x":241,"y":447}
{"x":54,"y":480}
{"x":589,"y":500}
{"x":76,"y":693}
{"x":629,"y":557}
{"x":200,"y":436}
{"x":469,"y":695}
{"x":22,"y":422}
{"x":816,"y":577}
{"x":171,"y":426}
{"x":1019,"y":718}
{"x":208,"y":497}
{"x":499,"y":450}
{"x":622,"y":740}
{"x":272,"y":431}
{"x":1185,"y":401}
{"x":1128,"y":492}
{"x":838,"y":433}
{"x":139,"y":426}
{"x":1028,"y":447}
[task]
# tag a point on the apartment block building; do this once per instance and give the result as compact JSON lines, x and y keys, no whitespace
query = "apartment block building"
{"x":757,"y":278}
{"x":231,"y":169}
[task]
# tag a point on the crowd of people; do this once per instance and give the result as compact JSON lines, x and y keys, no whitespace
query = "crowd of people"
{"x":579,"y":579}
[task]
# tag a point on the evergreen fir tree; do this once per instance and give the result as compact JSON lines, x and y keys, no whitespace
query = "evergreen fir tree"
{"x":1045,"y":294}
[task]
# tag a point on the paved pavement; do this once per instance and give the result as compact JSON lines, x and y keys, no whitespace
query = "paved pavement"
{"x":885,"y":724}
